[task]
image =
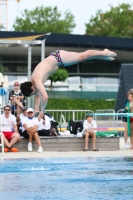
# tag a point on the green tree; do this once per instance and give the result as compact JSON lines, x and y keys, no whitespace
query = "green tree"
{"x":46,"y":19}
{"x":118,"y":21}
{"x":2,"y":27}
{"x":1,"y":69}
{"x":59,"y":75}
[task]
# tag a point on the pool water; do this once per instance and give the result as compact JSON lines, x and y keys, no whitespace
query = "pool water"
{"x":67,"y":179}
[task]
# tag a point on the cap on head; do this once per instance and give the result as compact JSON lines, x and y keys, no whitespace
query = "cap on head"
{"x":89,"y":115}
{"x":30,"y":110}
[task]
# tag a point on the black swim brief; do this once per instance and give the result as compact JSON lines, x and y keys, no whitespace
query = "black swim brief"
{"x":56,"y":54}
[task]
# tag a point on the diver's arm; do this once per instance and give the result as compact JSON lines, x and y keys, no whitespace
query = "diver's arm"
{"x":37,"y":101}
{"x":41,"y":94}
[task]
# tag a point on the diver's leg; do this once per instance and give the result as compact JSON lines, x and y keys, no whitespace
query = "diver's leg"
{"x":70,"y":58}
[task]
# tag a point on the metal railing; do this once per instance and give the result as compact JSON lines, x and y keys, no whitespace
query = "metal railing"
{"x":63,"y":116}
{"x":120,"y":123}
{"x":104,"y":120}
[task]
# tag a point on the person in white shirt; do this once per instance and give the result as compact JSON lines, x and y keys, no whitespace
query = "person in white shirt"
{"x":23,"y":114}
{"x":16,"y":98}
{"x":8,"y":125}
{"x":29,"y":130}
{"x":44,"y":126}
{"x":89,"y":131}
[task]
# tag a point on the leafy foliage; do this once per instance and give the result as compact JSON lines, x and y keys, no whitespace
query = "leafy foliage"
{"x":1,"y":27}
{"x":78,"y":104}
{"x":46,"y":19}
{"x":118,"y":21}
{"x":1,"y":69}
{"x":59,"y":75}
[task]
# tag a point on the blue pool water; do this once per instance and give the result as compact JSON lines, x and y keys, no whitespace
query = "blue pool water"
{"x":67,"y":179}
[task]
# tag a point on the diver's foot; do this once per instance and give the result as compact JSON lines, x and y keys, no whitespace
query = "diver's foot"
{"x":109,"y":53}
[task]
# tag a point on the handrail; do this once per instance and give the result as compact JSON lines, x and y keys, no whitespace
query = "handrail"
{"x":67,"y":115}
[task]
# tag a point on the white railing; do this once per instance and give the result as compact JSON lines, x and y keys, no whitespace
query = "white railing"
{"x":105,"y":120}
{"x":67,"y":115}
{"x":119,"y":121}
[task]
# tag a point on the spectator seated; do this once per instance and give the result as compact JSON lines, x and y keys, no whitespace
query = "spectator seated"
{"x":17,"y":99}
{"x":9,"y":129}
{"x":44,"y":126}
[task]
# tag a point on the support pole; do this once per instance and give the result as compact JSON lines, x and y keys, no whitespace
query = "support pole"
{"x":43,"y":47}
{"x":43,"y":50}
{"x":29,"y":69}
{"x":42,"y":58}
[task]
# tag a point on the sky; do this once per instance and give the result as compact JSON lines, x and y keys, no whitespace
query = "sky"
{"x":81,"y":9}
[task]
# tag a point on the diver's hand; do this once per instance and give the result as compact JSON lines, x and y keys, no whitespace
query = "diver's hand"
{"x":36,"y":113}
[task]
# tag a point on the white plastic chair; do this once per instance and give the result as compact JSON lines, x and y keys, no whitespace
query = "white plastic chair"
{"x":1,"y":137}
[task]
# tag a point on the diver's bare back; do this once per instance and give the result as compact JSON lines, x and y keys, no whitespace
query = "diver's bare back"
{"x":44,"y":69}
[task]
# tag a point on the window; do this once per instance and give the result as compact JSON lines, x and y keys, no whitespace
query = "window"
{"x":100,"y":84}
{"x":87,"y":67}
{"x":99,"y":67}
{"x":71,"y":69}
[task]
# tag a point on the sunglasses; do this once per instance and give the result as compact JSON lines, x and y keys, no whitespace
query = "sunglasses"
{"x":7,"y":109}
{"x":30,"y":112}
{"x":16,"y":85}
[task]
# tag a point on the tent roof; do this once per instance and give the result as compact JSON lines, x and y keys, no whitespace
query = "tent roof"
{"x":71,"y":40}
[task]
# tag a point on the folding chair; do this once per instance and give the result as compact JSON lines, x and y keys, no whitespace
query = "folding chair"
{"x":1,"y":136}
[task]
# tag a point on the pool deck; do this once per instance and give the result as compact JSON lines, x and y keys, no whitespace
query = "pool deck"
{"x":52,"y":154}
